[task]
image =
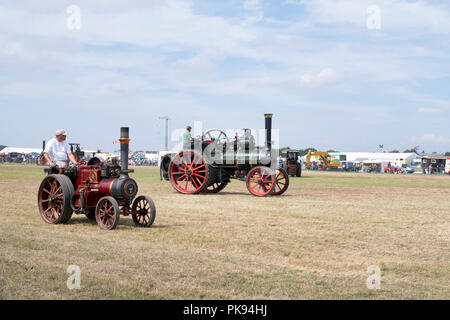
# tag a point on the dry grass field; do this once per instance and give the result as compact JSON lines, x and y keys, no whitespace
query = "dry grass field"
{"x":314,"y":242}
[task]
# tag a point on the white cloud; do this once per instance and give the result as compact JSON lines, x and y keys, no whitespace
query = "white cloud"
{"x":264,"y":82}
{"x":142,"y":49}
{"x":429,"y":111}
{"x":196,"y":63}
{"x":327,"y":76}
{"x":13,"y":49}
{"x":256,"y":15}
{"x":419,"y":15}
{"x":252,"y":5}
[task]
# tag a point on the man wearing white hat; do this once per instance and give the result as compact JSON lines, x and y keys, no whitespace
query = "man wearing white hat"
{"x":57,"y":151}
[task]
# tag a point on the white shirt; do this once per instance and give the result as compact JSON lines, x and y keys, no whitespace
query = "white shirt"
{"x":57,"y":150}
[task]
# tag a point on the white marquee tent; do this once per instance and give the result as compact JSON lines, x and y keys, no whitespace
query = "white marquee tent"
{"x":9,"y":150}
{"x":377,"y":156}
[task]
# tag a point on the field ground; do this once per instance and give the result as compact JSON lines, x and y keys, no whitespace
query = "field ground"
{"x":314,"y":242}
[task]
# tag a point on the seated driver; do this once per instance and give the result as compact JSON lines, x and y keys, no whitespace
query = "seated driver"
{"x":57,"y":151}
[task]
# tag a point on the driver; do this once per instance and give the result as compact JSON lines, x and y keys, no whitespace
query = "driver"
{"x":187,"y":138}
{"x":57,"y":151}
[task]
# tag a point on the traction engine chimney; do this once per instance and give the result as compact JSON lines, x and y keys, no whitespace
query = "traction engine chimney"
{"x":124,"y":149}
{"x":268,"y":117}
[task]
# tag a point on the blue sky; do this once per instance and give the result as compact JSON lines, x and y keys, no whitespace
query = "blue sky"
{"x":330,"y":81}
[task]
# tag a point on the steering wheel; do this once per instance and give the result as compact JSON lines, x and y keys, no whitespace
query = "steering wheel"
{"x":216,"y":136}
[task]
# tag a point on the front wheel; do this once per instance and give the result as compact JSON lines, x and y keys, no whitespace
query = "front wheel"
{"x":299,"y":171}
{"x":107,"y":213}
{"x":143,"y":211}
{"x":261,"y":181}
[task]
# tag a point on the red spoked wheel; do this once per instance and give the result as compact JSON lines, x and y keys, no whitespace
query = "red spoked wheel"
{"x":107,"y":213}
{"x":54,"y":196}
{"x":281,"y":182}
{"x":143,"y":211}
{"x":189,"y":173}
{"x":261,"y":181}
{"x":216,"y":187}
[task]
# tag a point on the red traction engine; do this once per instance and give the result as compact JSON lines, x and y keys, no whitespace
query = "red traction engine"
{"x":98,"y":190}
{"x":214,"y":160}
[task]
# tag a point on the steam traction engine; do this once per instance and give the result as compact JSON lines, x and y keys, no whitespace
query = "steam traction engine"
{"x":292,"y":165}
{"x":211,"y":162}
{"x":101,"y":191}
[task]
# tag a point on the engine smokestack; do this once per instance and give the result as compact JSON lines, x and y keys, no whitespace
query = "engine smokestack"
{"x":124,"y":148}
{"x":268,"y":117}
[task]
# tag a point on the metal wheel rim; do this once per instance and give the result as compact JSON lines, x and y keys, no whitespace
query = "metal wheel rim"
{"x":51,"y":200}
{"x":106,"y":215}
{"x":254,"y":178}
{"x":143,"y":214}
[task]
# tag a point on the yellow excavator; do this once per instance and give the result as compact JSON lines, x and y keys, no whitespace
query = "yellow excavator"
{"x":325,"y":157}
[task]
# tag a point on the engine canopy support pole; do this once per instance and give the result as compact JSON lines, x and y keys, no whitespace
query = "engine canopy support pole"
{"x":167,"y":132}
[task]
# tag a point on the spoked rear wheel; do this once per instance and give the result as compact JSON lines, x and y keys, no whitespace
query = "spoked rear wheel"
{"x":189,"y":173}
{"x":261,"y":181}
{"x":144,"y":211}
{"x":107,"y":213}
{"x":54,"y":196}
{"x":281,"y":182}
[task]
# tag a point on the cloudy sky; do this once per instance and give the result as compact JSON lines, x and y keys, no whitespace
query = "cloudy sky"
{"x":332,"y":76}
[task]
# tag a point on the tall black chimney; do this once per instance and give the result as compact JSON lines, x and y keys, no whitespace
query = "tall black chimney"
{"x":268,"y":117}
{"x":124,"y":148}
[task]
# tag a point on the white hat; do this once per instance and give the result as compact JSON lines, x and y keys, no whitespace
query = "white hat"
{"x":61,"y":132}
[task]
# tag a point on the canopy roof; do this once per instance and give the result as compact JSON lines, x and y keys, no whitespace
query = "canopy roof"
{"x":9,"y":150}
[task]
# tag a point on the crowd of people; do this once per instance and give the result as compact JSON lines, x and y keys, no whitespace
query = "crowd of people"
{"x":140,"y":159}
{"x":136,"y":159}
{"x":430,"y":169}
{"x":20,"y":158}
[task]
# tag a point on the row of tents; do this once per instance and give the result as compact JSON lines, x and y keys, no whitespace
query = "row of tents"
{"x":31,"y":151}
{"x":379,"y":161}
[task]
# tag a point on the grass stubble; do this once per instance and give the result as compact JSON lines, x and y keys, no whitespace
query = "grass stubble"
{"x":314,"y":242}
